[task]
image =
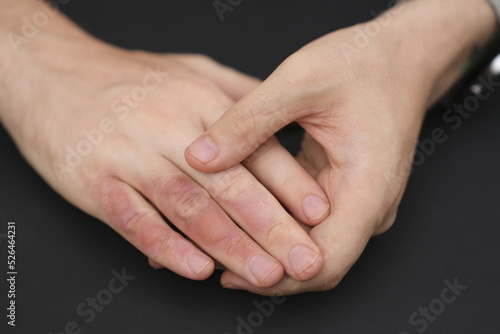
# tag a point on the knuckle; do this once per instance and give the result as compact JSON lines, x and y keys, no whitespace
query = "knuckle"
{"x":155,"y":240}
{"x":253,"y":122}
{"x":277,"y":231}
{"x":233,"y":246}
{"x":119,"y":209}
{"x":189,"y":205}
{"x":242,"y":123}
{"x":187,"y":200}
{"x":132,"y":222}
{"x":230,"y":185}
{"x":141,"y":225}
{"x":163,"y":244}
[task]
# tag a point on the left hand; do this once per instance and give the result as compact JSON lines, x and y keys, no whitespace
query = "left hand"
{"x":362,"y":116}
{"x":355,"y":134}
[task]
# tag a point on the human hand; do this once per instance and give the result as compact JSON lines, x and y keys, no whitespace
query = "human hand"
{"x":107,"y":129}
{"x":362,"y":112}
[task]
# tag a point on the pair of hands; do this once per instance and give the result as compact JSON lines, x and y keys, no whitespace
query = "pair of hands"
{"x":109,"y":132}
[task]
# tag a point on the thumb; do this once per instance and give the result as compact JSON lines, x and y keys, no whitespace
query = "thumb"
{"x":243,"y":128}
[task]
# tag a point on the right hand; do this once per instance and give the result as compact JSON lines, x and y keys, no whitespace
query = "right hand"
{"x":362,"y":114}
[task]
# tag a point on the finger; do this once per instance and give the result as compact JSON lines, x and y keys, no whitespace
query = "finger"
{"x":257,"y":212}
{"x":243,"y":128}
{"x":346,"y":243}
{"x":193,"y":211}
{"x":128,"y":213}
{"x":312,"y":156}
{"x":232,"y":82}
{"x":341,"y":237}
{"x":155,"y":265}
{"x":284,"y":177}
{"x":287,"y":286}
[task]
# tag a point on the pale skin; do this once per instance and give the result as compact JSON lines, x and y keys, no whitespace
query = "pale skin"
{"x":362,"y":113}
{"x":62,"y":87}
{"x":362,"y":116}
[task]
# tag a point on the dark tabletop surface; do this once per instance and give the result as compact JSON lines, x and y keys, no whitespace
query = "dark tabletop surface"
{"x":446,"y":234}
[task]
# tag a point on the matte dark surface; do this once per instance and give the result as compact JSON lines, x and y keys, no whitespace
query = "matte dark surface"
{"x":448,"y":224}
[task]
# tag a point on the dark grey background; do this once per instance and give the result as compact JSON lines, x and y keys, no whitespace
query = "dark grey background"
{"x":448,"y":225}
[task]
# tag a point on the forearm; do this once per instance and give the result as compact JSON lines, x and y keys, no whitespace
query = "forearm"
{"x":33,"y":35}
{"x":9,"y":14}
{"x":440,"y":36}
{"x":25,"y":22}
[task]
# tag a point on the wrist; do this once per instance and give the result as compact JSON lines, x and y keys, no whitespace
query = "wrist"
{"x":12,"y":11}
{"x":28,"y":27}
{"x":433,"y":40}
{"x":33,"y":39}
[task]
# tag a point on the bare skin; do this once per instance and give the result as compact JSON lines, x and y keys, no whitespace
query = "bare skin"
{"x":362,"y":109}
{"x":107,"y":129}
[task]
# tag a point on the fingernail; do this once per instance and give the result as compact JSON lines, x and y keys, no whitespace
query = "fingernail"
{"x":197,"y":263}
{"x":314,"y":207}
{"x":261,"y":267}
{"x":301,"y":258}
{"x":232,"y":287}
{"x":203,"y":149}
